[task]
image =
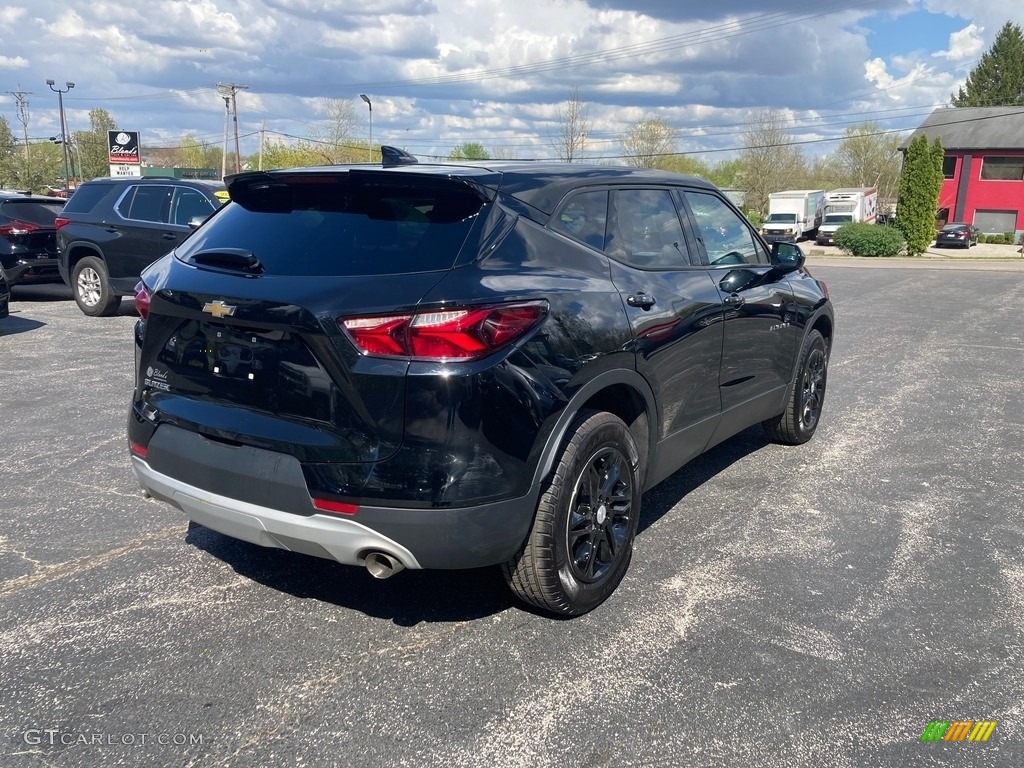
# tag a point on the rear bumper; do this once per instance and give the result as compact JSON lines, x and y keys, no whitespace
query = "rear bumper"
{"x":447,"y":538}
{"x":22,"y":271}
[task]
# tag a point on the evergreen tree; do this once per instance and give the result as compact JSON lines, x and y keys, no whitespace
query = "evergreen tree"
{"x":938,"y":153}
{"x":8,"y":155}
{"x":998,"y":78}
{"x":918,"y":196}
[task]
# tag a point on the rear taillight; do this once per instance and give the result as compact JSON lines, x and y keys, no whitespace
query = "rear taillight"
{"x":142,"y":299}
{"x":61,"y":221}
{"x":15,"y":227}
{"x":138,"y":450}
{"x":444,"y":334}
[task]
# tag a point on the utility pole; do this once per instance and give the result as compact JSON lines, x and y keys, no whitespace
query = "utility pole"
{"x":230,"y":91}
{"x":263,"y":129}
{"x":225,"y":93}
{"x":20,"y":97}
{"x":63,"y":132}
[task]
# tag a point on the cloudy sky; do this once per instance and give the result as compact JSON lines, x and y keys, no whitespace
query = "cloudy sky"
{"x":446,"y":72}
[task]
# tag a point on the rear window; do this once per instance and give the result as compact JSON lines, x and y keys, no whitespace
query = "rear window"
{"x":33,"y":212}
{"x":85,"y":197}
{"x":343,"y":224}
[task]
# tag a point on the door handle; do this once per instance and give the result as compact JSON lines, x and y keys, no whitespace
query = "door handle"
{"x":640,"y":299}
{"x":170,"y":236}
{"x":734,"y":300}
{"x":110,"y":229}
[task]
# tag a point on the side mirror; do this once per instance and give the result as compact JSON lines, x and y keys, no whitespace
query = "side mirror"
{"x":788,"y":256}
{"x":196,"y":221}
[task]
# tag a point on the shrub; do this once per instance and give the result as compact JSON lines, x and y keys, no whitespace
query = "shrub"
{"x":870,"y":240}
{"x":982,"y":238}
{"x":996,"y":239}
{"x":1009,"y":238}
{"x":755,"y":218}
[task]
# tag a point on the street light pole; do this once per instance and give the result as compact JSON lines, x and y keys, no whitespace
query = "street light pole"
{"x":369,"y":103}
{"x":63,"y":132}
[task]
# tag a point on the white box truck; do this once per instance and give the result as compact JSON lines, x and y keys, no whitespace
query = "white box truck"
{"x":793,"y":214}
{"x":847,"y":206}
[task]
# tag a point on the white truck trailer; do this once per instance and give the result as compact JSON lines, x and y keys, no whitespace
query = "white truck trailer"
{"x":793,"y":214}
{"x":847,"y":206}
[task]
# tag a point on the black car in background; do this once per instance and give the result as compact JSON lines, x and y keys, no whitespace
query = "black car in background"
{"x":28,"y":238}
{"x":112,"y":228}
{"x":454,"y":366}
{"x":962,"y":235}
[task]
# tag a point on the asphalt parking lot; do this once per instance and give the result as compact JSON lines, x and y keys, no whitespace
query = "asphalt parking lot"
{"x":810,"y":606}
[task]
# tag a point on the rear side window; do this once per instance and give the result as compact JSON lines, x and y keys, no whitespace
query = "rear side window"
{"x":344,"y":224}
{"x":85,"y":197}
{"x":146,"y":203}
{"x":39,"y":213}
{"x":187,"y":204}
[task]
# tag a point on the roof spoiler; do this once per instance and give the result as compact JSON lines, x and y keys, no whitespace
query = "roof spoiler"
{"x":393,"y":156}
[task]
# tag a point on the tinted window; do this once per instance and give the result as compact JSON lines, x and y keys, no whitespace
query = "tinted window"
{"x":341,"y":224}
{"x":33,"y":212}
{"x":645,"y":231}
{"x":149,"y":203}
{"x":948,"y":167}
{"x":727,"y":238}
{"x":85,"y":197}
{"x":1002,"y":168}
{"x":187,"y":204}
{"x":583,"y":218}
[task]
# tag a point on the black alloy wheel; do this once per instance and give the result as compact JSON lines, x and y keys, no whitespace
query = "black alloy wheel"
{"x":600,"y":515}
{"x":797,"y":423}
{"x":581,"y":541}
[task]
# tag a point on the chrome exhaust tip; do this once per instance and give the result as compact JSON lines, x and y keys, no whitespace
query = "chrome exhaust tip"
{"x":381,"y":565}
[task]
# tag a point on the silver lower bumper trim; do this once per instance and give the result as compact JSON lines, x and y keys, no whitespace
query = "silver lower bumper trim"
{"x":326,"y":536}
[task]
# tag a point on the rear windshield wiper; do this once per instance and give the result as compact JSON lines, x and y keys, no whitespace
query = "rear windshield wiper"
{"x":228,"y":258}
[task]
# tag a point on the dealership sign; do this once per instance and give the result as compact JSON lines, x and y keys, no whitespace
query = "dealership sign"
{"x":125,"y":159}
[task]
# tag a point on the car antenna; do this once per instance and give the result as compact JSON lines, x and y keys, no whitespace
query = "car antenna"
{"x":393,"y":156}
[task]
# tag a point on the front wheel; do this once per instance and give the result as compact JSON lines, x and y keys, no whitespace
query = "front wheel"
{"x":581,"y":541}
{"x":91,"y":284}
{"x":797,"y":423}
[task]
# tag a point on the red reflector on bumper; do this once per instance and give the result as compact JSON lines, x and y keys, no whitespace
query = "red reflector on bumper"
{"x":335,"y":507}
{"x":139,"y":450}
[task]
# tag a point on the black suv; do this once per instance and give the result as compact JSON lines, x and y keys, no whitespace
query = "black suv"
{"x":453,"y":366}
{"x":111,"y":229}
{"x":28,"y":239}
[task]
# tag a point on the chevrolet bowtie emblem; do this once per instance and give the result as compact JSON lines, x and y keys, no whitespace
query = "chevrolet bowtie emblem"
{"x":219,"y":309}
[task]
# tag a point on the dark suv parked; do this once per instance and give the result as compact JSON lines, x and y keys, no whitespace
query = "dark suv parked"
{"x":112,"y":228}
{"x":28,"y":238}
{"x":453,"y":366}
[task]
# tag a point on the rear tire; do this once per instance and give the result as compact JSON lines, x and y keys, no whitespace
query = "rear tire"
{"x":581,"y":541}
{"x":797,"y":423}
{"x":91,"y":286}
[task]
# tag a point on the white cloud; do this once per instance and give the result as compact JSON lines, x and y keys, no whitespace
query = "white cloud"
{"x":16,"y":62}
{"x":965,"y":44}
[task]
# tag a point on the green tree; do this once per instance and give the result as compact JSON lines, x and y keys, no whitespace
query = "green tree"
{"x":938,"y":153}
{"x":93,"y":152}
{"x":197,"y":154}
{"x":469,"y":151}
{"x":727,"y":174}
{"x":8,"y":156}
{"x":868,"y":157}
{"x":918,"y":196}
{"x":649,"y":143}
{"x":997,"y":80}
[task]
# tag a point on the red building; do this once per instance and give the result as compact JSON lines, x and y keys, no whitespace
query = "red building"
{"x":983,"y":166}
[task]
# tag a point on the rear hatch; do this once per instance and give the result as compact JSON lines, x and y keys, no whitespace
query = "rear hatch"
{"x":29,"y":224}
{"x":243,"y":343}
